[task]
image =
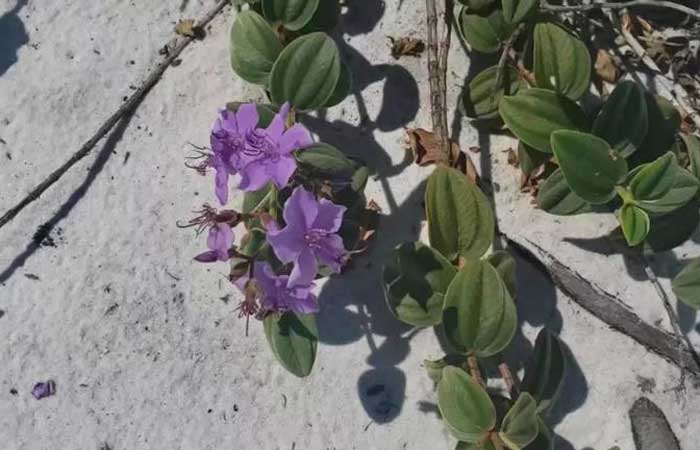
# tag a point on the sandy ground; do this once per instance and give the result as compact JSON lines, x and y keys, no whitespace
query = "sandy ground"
{"x":144,"y":344}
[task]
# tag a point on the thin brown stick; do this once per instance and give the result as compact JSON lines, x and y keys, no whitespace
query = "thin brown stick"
{"x":473,"y":366}
{"x":443,"y":60}
{"x":512,"y":381}
{"x":621,"y":5}
{"x":101,"y":132}
{"x":434,"y":77}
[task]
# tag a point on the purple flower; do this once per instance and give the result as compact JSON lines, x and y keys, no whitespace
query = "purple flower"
{"x":219,"y":242}
{"x":310,"y":236}
{"x":271,"y":152}
{"x":228,"y":145}
{"x":277,"y":295}
{"x":41,"y":390}
{"x":259,"y":155}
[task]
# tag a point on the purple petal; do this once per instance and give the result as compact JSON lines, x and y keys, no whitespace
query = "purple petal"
{"x":247,"y":117}
{"x":42,"y":390}
{"x":295,"y":138}
{"x":221,"y":185}
{"x":304,"y":302}
{"x":282,"y":170}
{"x":330,"y":216}
{"x":287,"y":243}
{"x":265,"y":276}
{"x":226,"y":122}
{"x":254,"y":176}
{"x":301,"y":208}
{"x":331,"y":252}
{"x":276,"y":127}
{"x":207,"y":257}
{"x":220,"y":238}
{"x":304,"y":270}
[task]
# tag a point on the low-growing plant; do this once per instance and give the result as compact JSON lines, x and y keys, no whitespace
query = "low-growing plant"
{"x":303,"y":211}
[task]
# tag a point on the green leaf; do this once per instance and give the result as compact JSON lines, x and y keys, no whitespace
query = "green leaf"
{"x":478,"y":5}
{"x":325,"y":18}
{"x":686,"y":285}
{"x":254,"y":48}
{"x":561,"y":61}
{"x":520,"y":426}
{"x":294,"y":14}
{"x":652,"y":181}
{"x":254,"y":200}
{"x":623,"y":120}
{"x":544,"y":439}
{"x":434,"y":368}
{"x":293,"y":339}
{"x":591,"y":168}
{"x":484,"y":33}
{"x":504,"y":263}
{"x":670,"y":230}
{"x":514,"y":11}
{"x":556,"y":197}
{"x":479,"y":315}
{"x":306,"y":72}
{"x":530,"y":158}
{"x":488,"y":445}
{"x":460,"y":219}
{"x":664,"y":122}
{"x":692,"y":146}
{"x":481,"y":98}
{"x":343,"y":88}
{"x":465,"y":406}
{"x":635,"y":224}
{"x":327,"y":160}
{"x":544,"y":375}
{"x":534,"y":114}
{"x":252,"y":242}
{"x":416,"y":278}
{"x":684,"y":188}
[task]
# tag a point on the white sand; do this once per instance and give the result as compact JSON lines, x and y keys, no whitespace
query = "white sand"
{"x":169,"y":366}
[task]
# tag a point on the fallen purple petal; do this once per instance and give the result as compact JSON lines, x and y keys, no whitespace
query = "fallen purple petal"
{"x":44,"y":389}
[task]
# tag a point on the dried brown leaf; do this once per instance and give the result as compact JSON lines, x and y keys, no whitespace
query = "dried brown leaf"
{"x":426,"y":150}
{"x":187,"y":27}
{"x":406,"y":46}
{"x":605,"y":66}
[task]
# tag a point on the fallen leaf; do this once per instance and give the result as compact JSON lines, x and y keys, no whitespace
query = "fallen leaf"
{"x":605,"y":66}
{"x":426,"y":150}
{"x":187,"y":27}
{"x":406,"y":46}
{"x":512,"y":157}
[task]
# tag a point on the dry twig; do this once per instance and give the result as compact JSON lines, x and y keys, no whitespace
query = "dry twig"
{"x":621,"y":5}
{"x":131,"y":103}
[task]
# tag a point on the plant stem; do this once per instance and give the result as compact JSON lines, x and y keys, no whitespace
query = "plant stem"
{"x":435,"y":80}
{"x":473,"y":366}
{"x":504,"y":57}
{"x":512,"y":382}
{"x":604,"y":5}
{"x":444,"y":55}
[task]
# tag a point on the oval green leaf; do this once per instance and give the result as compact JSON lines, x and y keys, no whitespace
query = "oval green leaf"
{"x":556,"y":197}
{"x":484,"y":33}
{"x":520,"y":426}
{"x":460,"y":220}
{"x":683,"y":190}
{"x":293,"y":340}
{"x":343,"y":88}
{"x":591,"y":168}
{"x":254,"y":48}
{"x":481,"y":98}
{"x":561,"y":61}
{"x":534,"y":114}
{"x":635,"y":224}
{"x":670,"y":230}
{"x":416,"y":278}
{"x":479,"y":315}
{"x":692,"y":147}
{"x":663,"y":122}
{"x":652,"y":181}
{"x":514,"y":11}
{"x":504,"y":263}
{"x":306,"y":72}
{"x":623,"y":120}
{"x":294,"y":14}
{"x":686,"y":285}
{"x":465,"y":406}
{"x":327,"y":160}
{"x":544,"y":375}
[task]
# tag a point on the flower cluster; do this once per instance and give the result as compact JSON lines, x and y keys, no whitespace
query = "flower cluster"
{"x":308,"y":238}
